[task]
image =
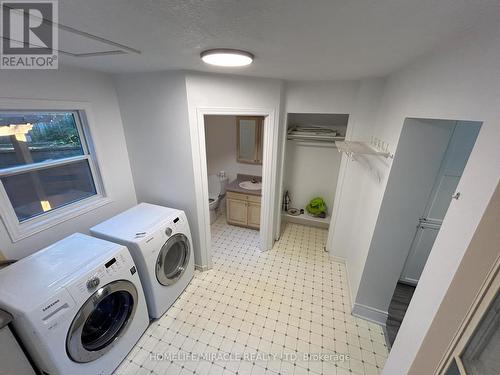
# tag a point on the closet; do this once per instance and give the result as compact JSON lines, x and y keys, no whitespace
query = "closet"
{"x":311,"y":164}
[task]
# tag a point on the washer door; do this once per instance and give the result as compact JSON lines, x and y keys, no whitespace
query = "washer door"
{"x":173,"y":259}
{"x":101,"y":321}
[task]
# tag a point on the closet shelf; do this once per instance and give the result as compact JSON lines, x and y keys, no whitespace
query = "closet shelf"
{"x":314,"y":134}
{"x":365,"y":148}
{"x":314,"y":141}
{"x":319,"y":138}
{"x":305,"y":219}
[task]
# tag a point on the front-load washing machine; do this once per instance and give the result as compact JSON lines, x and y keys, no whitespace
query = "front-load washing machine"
{"x":78,"y":305}
{"x":159,"y":240}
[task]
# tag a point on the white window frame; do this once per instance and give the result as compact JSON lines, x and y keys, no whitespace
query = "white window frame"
{"x":83,"y":117}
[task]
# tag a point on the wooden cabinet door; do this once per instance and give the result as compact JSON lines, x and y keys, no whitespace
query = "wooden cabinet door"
{"x":253,"y":215}
{"x":236,"y":211}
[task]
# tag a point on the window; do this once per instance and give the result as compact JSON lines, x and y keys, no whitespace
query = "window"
{"x":46,"y":166}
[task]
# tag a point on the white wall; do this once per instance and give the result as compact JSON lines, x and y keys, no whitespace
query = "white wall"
{"x":107,"y":133}
{"x":221,"y":147}
{"x":155,"y":119}
{"x":300,"y":170}
{"x":236,"y":93}
{"x":321,"y":96}
{"x":420,"y":151}
{"x":311,"y":171}
{"x":159,"y":113}
{"x":348,"y":238}
{"x":461,"y":81}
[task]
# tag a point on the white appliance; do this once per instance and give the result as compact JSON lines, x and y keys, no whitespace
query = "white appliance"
{"x":216,"y":192}
{"x":159,"y":240}
{"x":78,"y":305}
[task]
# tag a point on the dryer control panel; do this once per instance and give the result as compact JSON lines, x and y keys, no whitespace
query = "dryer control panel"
{"x":173,"y":226}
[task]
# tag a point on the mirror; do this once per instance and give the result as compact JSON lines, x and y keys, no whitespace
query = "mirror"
{"x":249,"y":139}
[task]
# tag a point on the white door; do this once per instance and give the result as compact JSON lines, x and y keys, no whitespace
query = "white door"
{"x":455,"y":158}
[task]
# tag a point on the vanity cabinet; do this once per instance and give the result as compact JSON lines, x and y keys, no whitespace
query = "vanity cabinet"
{"x":243,"y":210}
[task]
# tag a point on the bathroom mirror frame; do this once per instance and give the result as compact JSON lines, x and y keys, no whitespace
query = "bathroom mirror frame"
{"x":257,"y":150}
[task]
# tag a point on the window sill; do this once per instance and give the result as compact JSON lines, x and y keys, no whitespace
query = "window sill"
{"x":19,"y":231}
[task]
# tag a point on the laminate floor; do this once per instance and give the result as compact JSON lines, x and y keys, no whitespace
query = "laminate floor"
{"x":397,"y":309}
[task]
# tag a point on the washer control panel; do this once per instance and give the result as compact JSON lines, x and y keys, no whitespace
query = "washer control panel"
{"x":102,"y":274}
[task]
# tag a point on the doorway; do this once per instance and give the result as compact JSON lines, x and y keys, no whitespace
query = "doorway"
{"x":269,"y":156}
{"x":430,"y":159}
{"x":234,"y":166}
{"x":462,"y":137}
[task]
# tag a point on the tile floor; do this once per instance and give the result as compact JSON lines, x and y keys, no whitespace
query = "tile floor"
{"x":262,"y":313}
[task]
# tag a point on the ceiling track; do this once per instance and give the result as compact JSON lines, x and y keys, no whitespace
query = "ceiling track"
{"x":87,"y":54}
{"x":123,"y":49}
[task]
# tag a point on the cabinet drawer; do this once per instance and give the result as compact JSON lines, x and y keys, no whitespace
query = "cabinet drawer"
{"x":244,"y":197}
{"x":254,"y":198}
{"x":231,"y":195}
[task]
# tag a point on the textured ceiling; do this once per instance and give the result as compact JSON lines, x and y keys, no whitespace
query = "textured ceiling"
{"x":291,"y":39}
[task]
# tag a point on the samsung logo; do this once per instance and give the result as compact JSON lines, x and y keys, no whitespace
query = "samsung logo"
{"x":50,"y":305}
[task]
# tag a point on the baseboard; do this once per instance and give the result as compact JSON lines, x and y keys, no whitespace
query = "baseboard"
{"x":201,"y":268}
{"x":344,"y":262}
{"x":305,"y":219}
{"x":337,"y":259}
{"x":369,"y":313}
{"x":362,"y":311}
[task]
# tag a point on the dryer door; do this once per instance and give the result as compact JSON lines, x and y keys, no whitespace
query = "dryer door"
{"x":173,"y":259}
{"x":101,"y":321}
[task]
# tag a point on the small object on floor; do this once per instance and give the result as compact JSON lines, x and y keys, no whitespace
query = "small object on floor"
{"x":286,"y":201}
{"x":317,"y":207}
{"x":301,"y":211}
{"x":294,"y":211}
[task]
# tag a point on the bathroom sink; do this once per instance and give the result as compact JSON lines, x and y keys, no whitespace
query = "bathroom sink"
{"x":249,"y":185}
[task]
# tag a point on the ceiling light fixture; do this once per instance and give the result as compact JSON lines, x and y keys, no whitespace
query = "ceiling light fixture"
{"x":227,"y":57}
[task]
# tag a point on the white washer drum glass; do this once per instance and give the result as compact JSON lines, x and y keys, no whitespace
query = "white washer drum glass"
{"x":101,"y":321}
{"x":173,"y":259}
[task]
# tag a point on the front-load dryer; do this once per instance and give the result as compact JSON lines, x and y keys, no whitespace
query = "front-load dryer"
{"x":159,"y":240}
{"x":78,"y":305}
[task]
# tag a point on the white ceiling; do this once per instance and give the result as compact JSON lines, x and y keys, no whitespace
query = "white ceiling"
{"x":291,"y":39}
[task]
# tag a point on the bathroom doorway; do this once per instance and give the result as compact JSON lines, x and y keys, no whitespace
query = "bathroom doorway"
{"x":263,"y":216}
{"x":234,"y":158}
{"x":429,"y":162}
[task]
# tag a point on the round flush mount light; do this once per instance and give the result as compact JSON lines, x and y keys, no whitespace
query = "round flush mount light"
{"x":227,"y":57}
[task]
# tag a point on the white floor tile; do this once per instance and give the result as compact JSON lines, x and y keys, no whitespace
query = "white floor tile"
{"x":291,"y":300}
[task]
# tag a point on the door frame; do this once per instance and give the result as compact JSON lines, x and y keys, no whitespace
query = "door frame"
{"x":269,"y":177}
{"x":484,"y":299}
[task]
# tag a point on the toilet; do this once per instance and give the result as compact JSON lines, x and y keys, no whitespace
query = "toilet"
{"x":216,"y":191}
